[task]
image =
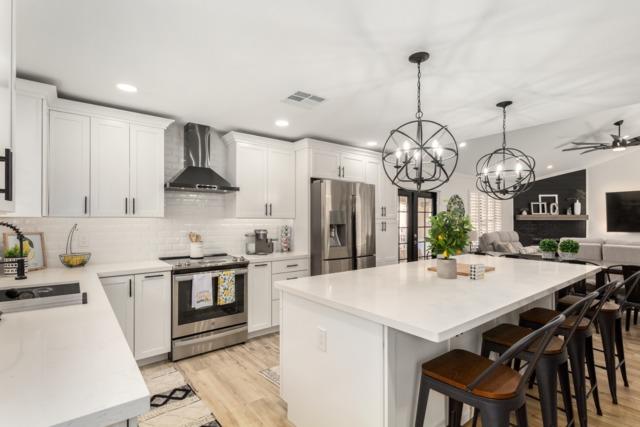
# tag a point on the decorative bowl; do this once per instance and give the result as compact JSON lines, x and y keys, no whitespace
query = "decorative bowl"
{"x":75,"y":259}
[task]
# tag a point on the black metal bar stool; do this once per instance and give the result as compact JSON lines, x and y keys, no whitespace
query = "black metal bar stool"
{"x":580,"y":347}
{"x":490,"y":386}
{"x":553,"y":362}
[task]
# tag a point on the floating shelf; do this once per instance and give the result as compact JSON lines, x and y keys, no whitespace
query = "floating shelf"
{"x":547,"y":217}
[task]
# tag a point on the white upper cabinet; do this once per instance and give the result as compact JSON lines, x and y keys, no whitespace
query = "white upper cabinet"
{"x":264,"y":170}
{"x":109,"y":168}
{"x":146,"y":173}
{"x":325,"y":164}
{"x":353,"y":167}
{"x":104,"y":162}
{"x":7,"y":78}
{"x":68,"y":164}
{"x":281,"y":183}
{"x":386,"y":193}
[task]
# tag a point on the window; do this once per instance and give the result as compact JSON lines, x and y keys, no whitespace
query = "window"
{"x":485,"y":213}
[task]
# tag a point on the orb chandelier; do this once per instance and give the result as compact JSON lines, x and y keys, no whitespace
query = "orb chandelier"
{"x":420,"y":154}
{"x":506,"y":172}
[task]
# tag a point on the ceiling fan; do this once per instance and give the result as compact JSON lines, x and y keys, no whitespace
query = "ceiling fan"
{"x":619,"y":143}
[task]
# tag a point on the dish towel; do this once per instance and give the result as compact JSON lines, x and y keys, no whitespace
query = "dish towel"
{"x":202,"y":291}
{"x":226,"y":288}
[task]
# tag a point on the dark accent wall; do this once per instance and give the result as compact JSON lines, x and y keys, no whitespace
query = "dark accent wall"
{"x":567,"y":186}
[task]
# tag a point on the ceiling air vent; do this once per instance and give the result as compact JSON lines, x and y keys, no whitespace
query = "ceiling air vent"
{"x":303,"y":99}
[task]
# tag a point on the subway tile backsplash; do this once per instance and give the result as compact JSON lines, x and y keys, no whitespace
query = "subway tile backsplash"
{"x":134,"y":239}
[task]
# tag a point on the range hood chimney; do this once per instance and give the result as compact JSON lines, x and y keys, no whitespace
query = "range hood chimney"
{"x":197,"y":174}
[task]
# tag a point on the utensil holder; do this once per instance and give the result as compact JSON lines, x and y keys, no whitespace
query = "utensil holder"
{"x":195,"y":250}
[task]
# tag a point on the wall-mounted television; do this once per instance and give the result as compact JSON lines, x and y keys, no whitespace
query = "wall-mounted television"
{"x":623,"y":211}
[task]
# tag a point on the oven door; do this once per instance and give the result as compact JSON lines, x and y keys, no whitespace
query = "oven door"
{"x":186,"y":320}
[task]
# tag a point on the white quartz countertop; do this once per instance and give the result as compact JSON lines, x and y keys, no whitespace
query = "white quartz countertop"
{"x":70,"y":366}
{"x":277,"y":256}
{"x":409,"y":298}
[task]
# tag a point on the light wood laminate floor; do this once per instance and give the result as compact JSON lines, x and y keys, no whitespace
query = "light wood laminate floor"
{"x":230,"y":382}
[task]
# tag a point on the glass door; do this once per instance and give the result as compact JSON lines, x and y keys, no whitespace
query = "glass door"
{"x":414,"y":221}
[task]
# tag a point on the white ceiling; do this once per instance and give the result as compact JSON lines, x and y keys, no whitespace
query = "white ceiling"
{"x":229,"y":64}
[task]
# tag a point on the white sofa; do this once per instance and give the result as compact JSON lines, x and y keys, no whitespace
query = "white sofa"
{"x":611,"y":250}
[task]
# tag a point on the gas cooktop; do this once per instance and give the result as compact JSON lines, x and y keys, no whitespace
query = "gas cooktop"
{"x":209,"y":262}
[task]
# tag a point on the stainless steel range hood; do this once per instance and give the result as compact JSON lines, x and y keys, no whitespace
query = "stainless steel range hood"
{"x":197,"y":174}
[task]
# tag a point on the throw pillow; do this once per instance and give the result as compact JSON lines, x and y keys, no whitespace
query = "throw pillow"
{"x":504,"y":247}
{"x":517,"y":246}
{"x":529,"y":250}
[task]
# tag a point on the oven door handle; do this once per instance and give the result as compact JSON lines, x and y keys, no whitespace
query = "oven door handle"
{"x":183,"y":277}
{"x":190,"y":341}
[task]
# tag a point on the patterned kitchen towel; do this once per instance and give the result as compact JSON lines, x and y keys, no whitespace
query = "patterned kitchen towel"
{"x":226,"y":288}
{"x":202,"y":291}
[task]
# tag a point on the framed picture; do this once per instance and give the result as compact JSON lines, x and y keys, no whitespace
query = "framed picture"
{"x":548,"y":198}
{"x":538,"y":208}
{"x":37,"y":258}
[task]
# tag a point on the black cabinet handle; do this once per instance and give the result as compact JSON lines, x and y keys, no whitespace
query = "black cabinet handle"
{"x":291,"y":278}
{"x":126,"y":205}
{"x":133,"y":206}
{"x":339,"y":171}
{"x":292,"y":265}
{"x":8,"y":174}
{"x":130,"y":289}
{"x":265,"y":209}
{"x":151,"y":276}
{"x":270,"y":209}
{"x":260,"y":265}
{"x":85,"y":204}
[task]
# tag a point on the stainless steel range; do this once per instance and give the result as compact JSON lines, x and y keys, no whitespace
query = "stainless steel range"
{"x":199,"y":330}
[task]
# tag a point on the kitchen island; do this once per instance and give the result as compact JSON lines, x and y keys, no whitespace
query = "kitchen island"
{"x":352,"y":343}
{"x":70,"y":366}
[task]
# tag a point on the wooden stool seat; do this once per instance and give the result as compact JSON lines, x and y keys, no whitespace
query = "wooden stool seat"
{"x":507,"y":335}
{"x":459,"y":368}
{"x":569,"y":300}
{"x":541,"y":316}
{"x":610,"y":307}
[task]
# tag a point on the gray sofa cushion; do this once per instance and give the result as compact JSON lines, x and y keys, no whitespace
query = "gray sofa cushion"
{"x":487,"y":240}
{"x":621,"y":254}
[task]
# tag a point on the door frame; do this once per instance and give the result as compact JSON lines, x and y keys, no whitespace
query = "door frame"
{"x":412,"y":219}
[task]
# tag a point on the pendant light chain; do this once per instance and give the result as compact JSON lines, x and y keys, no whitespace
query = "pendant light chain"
{"x":419,"y":112}
{"x":504,"y":127}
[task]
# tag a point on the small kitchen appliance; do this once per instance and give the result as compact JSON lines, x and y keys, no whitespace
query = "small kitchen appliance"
{"x":200,"y":330}
{"x":264,"y":245}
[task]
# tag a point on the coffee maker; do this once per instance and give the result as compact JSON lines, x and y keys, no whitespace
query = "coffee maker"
{"x":258,"y":243}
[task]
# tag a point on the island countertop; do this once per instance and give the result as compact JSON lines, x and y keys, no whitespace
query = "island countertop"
{"x":70,"y":366}
{"x":412,"y":299}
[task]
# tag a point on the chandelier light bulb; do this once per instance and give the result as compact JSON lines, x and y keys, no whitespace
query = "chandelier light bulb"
{"x":499,"y":169}
{"x":435,"y":143}
{"x":485,"y":171}
{"x":398,"y":153}
{"x":406,"y":145}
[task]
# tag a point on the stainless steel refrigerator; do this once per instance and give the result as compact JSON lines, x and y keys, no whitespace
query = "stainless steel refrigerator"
{"x":343,"y":232}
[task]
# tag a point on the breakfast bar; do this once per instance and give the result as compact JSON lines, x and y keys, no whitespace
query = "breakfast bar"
{"x":352,"y":343}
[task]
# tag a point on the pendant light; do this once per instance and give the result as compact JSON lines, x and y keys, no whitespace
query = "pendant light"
{"x":505,"y":172}
{"x":420,"y":154}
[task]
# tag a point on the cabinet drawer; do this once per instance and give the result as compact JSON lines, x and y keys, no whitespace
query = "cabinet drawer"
{"x":290,"y":265}
{"x":275,"y":293}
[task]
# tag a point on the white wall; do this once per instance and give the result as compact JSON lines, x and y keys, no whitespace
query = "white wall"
{"x":620,"y":174}
{"x":462,"y":185}
{"x":131,"y":239}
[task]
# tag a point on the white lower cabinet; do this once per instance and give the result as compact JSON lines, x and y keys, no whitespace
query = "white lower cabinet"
{"x":152,"y":314}
{"x":142,"y":305}
{"x":386,"y":242}
{"x":119,"y":291}
{"x":259,"y":289}
{"x":264,"y":299}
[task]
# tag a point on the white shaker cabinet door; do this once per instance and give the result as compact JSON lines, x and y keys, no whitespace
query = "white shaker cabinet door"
{"x":119,"y":291}
{"x":259,"y":290}
{"x":152,"y":314}
{"x":69,"y":164}
{"x":353,"y":167}
{"x":388,"y":197}
{"x":110,"y":168}
{"x":147,"y":171}
{"x":251,"y":177}
{"x":7,"y":78}
{"x":281,"y":184}
{"x":372,"y":176}
{"x":386,"y":242}
{"x":325,"y":164}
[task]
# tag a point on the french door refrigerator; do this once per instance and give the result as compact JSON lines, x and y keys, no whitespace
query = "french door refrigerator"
{"x":343,"y":232}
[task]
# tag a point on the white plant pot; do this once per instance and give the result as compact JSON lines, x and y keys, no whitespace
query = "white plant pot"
{"x":447,"y":268}
{"x":567,"y":255}
{"x":548,"y":255}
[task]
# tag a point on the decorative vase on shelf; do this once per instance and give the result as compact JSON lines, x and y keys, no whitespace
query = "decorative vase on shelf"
{"x":577,"y":208}
{"x":447,"y":268}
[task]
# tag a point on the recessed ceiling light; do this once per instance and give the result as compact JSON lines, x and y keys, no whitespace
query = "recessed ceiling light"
{"x":463,"y":144}
{"x":549,"y":166}
{"x":282,"y":123}
{"x":372,"y":143}
{"x":125,"y":87}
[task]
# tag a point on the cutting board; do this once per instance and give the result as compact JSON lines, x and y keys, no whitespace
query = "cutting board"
{"x":463,"y":269}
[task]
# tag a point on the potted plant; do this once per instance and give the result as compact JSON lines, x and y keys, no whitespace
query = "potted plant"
{"x":548,"y":247}
{"x":448,"y":236}
{"x":11,"y":257}
{"x":568,"y":249}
